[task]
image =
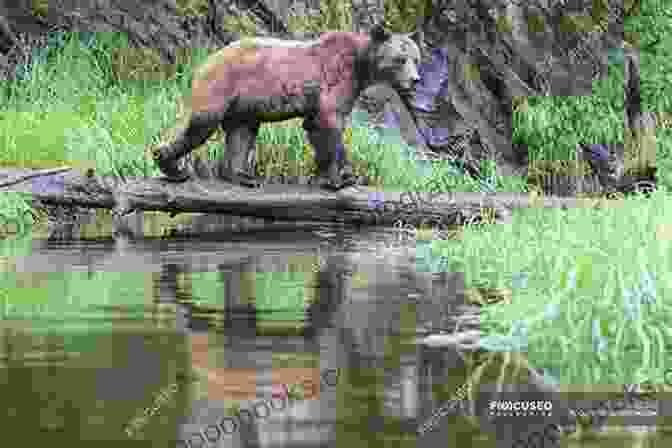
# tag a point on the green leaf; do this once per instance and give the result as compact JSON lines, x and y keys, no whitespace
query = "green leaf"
{"x":584,"y":272}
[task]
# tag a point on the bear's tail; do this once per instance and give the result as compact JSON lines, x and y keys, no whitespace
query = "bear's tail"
{"x":201,"y":126}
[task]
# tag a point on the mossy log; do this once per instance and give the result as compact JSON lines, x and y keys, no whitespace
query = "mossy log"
{"x":352,"y":205}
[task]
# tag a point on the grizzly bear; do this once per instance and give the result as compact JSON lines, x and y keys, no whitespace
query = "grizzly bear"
{"x":258,"y":80}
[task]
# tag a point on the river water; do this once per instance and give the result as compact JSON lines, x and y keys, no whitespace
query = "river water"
{"x":147,"y":341}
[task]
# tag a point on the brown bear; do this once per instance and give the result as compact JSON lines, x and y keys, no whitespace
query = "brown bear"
{"x":265,"y":80}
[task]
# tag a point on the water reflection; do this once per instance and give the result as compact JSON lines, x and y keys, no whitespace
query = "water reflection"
{"x":220,"y":320}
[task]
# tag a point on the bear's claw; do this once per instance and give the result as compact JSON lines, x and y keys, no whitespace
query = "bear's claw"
{"x":243,"y":179}
{"x":333,"y":184}
{"x":171,"y":168}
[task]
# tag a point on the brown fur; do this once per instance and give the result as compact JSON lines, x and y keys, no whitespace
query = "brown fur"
{"x":242,"y":86}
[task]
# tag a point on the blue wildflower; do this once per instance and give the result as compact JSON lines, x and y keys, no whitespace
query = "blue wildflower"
{"x":552,"y":376}
{"x":599,"y":341}
{"x":375,"y":200}
{"x":519,"y":280}
{"x":647,"y":290}
{"x":551,"y":311}
{"x":516,"y":340}
{"x":631,"y":302}
{"x":519,"y":329}
{"x":571,"y":283}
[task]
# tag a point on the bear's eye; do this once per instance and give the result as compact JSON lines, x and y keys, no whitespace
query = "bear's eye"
{"x":400,"y":60}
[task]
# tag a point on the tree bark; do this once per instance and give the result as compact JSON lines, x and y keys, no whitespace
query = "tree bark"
{"x":7,"y":38}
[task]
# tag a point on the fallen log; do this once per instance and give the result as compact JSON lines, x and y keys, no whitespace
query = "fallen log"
{"x":352,"y":205}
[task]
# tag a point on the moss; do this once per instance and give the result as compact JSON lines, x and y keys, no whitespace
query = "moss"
{"x":247,"y":42}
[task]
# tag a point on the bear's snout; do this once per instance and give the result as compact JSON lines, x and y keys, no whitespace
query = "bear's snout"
{"x":408,"y":86}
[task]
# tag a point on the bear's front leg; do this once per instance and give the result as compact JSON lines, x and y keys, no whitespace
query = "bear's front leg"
{"x":334,"y":169}
{"x":174,"y":169}
{"x":237,"y":166}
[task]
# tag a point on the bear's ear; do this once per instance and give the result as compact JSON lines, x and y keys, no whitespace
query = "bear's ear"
{"x":417,"y":36}
{"x":379,"y":34}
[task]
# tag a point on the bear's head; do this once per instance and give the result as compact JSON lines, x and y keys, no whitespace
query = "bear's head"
{"x":395,"y":58}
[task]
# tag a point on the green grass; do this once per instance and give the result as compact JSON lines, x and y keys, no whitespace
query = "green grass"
{"x":589,"y":272}
{"x":554,"y":125}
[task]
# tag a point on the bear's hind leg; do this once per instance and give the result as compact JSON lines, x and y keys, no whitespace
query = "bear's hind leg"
{"x":169,"y":158}
{"x":239,"y":157}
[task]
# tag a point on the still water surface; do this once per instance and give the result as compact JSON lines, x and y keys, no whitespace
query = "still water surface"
{"x":145,"y":341}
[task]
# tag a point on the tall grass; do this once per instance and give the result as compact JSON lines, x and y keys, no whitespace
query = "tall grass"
{"x":552,"y":126}
{"x":595,"y":308}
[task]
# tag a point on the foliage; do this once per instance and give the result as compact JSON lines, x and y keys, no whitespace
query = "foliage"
{"x":192,"y":7}
{"x":651,"y":32}
{"x":592,"y":308}
{"x":334,"y":15}
{"x":401,"y":16}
